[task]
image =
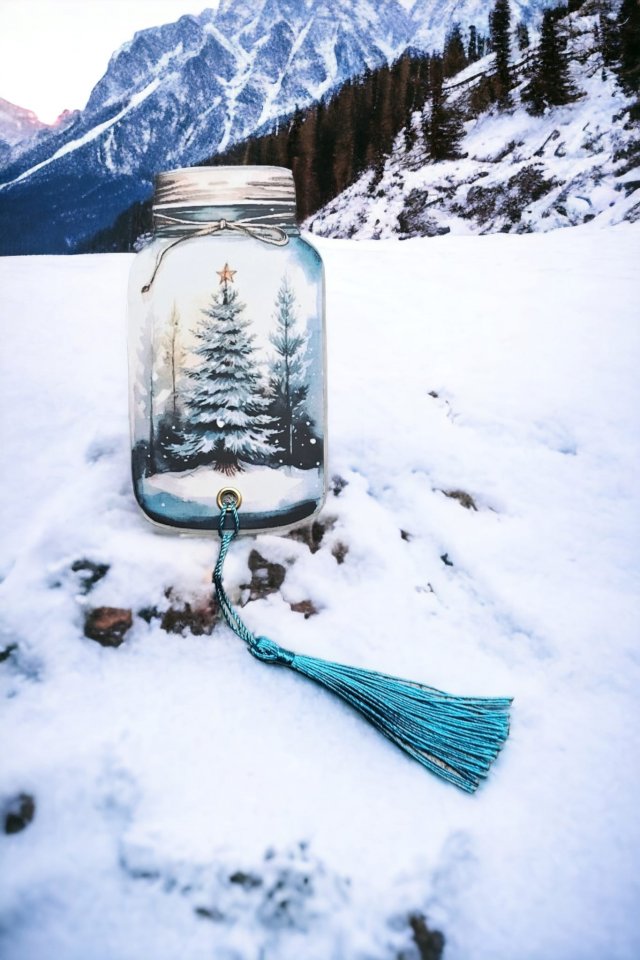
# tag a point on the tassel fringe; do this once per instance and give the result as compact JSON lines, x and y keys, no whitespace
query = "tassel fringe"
{"x":456,"y":738}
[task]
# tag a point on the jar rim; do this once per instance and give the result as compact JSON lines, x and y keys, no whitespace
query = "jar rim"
{"x":216,"y":186}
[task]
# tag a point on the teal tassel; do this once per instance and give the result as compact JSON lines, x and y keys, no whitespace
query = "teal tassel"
{"x":456,"y":738}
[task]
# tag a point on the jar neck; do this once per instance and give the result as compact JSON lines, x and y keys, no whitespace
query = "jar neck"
{"x":181,"y":221}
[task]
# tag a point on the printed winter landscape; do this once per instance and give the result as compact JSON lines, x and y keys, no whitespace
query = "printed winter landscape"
{"x":469,"y":174}
{"x":228,"y":382}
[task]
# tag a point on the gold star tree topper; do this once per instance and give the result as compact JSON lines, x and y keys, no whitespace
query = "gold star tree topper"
{"x":226,"y":274}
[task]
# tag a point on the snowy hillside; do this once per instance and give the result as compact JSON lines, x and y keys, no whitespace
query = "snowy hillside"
{"x":518,"y":173}
{"x":165,"y":795}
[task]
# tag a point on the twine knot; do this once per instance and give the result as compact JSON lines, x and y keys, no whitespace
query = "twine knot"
{"x":267,"y":233}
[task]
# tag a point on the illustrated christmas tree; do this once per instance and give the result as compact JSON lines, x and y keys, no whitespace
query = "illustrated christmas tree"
{"x":288,"y":387}
{"x":225,"y":421}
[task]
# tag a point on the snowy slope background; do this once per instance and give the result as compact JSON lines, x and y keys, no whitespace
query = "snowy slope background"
{"x":482,"y":536}
{"x":517,"y":173}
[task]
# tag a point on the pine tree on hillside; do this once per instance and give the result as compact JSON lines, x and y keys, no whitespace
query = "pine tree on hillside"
{"x":224,"y":420}
{"x":472,"y":46}
{"x":500,"y":21}
{"x":629,"y":41}
{"x":454,"y":57}
{"x":522,"y":33}
{"x":608,"y":34}
{"x":416,"y":94}
{"x":293,"y":436}
{"x":443,"y":128}
{"x":550,"y":83}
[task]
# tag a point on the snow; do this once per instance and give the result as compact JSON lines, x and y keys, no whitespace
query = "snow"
{"x":185,"y":791}
{"x":202,"y":485}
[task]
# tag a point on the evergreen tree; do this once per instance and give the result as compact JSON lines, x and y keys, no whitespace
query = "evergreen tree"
{"x":144,"y":392}
{"x":169,"y":433}
{"x":500,"y":20}
{"x":608,"y":34}
{"x":629,"y":41}
{"x":443,"y":129}
{"x":224,"y":420}
{"x":173,"y":355}
{"x":293,"y":433}
{"x":550,"y":83}
{"x":454,"y":58}
{"x":522,"y":33}
{"x":472,"y":47}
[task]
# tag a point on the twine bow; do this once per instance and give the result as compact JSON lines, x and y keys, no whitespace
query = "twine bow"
{"x":267,"y":233}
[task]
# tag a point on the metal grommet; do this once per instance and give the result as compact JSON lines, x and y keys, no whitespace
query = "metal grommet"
{"x":229,"y":497}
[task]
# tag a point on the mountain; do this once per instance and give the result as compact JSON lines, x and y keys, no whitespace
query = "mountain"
{"x":516,"y":173}
{"x":17,"y":124}
{"x":178,"y":93}
{"x":432,"y":19}
{"x":20,"y":129}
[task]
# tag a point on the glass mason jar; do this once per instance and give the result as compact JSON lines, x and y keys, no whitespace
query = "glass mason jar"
{"x":226,"y":353}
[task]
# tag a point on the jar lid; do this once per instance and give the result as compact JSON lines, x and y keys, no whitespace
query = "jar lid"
{"x":225,"y":186}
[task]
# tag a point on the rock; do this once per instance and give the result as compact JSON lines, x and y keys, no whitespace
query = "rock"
{"x":89,"y":573}
{"x":266,"y":577}
{"x":247,"y":880}
{"x":6,"y":652}
{"x":312,"y":534}
{"x":199,"y":619}
{"x":446,"y":561}
{"x":209,"y":913}
{"x":339,"y":551}
{"x":18,"y":812}
{"x":304,"y":606}
{"x":108,"y":625}
{"x":337,"y":485}
{"x":463,"y":498}
{"x":430,"y":943}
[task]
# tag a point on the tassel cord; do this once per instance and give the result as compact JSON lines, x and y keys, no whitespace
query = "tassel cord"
{"x":456,"y":738}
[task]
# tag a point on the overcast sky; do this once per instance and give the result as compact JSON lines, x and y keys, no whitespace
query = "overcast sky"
{"x":53,"y":52}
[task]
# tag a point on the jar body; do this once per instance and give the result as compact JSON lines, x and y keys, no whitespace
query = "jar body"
{"x":227,"y":379}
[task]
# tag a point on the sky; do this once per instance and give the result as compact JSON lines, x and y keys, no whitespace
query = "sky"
{"x":53,"y":52}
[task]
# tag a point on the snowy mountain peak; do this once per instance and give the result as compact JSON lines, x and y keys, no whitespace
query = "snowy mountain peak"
{"x":18,"y":124}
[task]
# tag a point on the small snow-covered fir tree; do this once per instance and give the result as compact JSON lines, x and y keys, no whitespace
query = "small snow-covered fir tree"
{"x":288,"y":387}
{"x":144,"y":392}
{"x":224,"y":412}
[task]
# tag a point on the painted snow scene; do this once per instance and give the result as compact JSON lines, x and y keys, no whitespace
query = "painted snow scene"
{"x":227,"y":381}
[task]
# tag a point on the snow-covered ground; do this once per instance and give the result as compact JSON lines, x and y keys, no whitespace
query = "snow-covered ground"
{"x":192,"y":802}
